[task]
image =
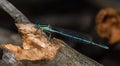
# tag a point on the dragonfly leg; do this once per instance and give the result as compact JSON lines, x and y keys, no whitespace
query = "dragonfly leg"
{"x":37,"y":30}
{"x":49,"y":37}
{"x":40,"y":32}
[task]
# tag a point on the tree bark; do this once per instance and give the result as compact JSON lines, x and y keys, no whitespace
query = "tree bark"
{"x":36,"y":49}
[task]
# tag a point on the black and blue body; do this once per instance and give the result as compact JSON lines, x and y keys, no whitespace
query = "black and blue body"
{"x":48,"y":28}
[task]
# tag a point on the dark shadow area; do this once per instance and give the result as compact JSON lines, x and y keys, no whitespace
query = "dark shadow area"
{"x":1,"y":54}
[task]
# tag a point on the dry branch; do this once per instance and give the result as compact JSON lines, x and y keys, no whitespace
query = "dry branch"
{"x":36,"y":49}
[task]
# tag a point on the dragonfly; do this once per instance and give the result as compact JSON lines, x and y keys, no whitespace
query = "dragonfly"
{"x":47,"y":27}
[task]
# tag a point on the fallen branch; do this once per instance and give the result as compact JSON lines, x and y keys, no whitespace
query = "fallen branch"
{"x":36,"y":49}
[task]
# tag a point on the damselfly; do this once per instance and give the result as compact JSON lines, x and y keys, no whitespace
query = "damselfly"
{"x":48,"y":28}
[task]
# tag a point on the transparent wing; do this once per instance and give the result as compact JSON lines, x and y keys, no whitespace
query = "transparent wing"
{"x":81,"y":37}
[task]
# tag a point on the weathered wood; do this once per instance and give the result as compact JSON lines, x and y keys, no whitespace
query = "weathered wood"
{"x":13,"y":12}
{"x":52,"y":53}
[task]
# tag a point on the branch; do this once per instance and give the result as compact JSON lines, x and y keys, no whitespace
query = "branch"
{"x":13,"y":12}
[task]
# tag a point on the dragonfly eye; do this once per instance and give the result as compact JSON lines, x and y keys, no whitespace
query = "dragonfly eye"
{"x":37,"y":25}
